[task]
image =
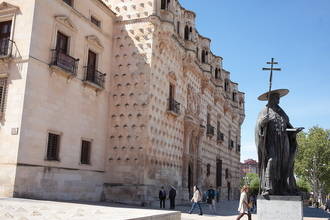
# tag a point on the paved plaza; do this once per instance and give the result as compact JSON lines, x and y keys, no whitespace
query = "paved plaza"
{"x":23,"y":209}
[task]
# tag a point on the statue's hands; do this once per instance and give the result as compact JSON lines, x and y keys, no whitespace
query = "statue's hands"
{"x":265,"y":119}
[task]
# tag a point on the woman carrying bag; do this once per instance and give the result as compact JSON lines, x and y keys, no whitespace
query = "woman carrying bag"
{"x":197,"y":197}
{"x":243,"y":207}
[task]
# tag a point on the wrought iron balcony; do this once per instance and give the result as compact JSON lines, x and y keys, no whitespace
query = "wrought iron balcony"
{"x":220,"y":136}
{"x":209,"y":130}
{"x":94,"y":76}
{"x":64,"y":61}
{"x":173,"y":106}
{"x":6,"y":47}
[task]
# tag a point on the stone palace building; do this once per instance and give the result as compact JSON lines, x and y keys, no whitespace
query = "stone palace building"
{"x":109,"y":100}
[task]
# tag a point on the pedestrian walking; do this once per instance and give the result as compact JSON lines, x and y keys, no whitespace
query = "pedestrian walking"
{"x":210,"y":199}
{"x":254,"y":203}
{"x":243,"y":207}
{"x":171,"y":195}
{"x":197,"y":197}
{"x":162,"y":197}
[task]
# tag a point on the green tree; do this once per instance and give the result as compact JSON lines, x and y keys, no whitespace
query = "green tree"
{"x":313,"y":159}
{"x":304,"y":185}
{"x":252,"y":180}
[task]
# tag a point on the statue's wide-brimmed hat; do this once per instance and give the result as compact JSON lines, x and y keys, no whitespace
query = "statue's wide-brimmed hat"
{"x":281,"y":92}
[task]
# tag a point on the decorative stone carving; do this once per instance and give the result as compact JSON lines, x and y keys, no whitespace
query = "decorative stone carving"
{"x":194,"y":101}
{"x":66,"y":22}
{"x":6,"y":8}
{"x":94,"y":40}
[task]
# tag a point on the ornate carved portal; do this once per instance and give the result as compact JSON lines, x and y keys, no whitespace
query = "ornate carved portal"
{"x":191,"y":171}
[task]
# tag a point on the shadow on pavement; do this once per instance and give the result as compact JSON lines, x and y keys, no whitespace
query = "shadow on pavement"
{"x":315,"y":213}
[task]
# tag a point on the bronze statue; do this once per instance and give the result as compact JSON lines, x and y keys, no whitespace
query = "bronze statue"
{"x":277,"y":146}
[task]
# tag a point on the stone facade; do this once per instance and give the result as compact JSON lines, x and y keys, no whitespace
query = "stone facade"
{"x":175,"y":115}
{"x":43,"y":98}
{"x":168,"y":113}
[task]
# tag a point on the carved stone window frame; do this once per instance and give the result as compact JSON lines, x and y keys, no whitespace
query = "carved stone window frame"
{"x":8,"y":12}
{"x":64,"y":25}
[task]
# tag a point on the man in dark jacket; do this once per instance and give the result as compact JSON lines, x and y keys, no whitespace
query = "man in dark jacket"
{"x":162,"y":197}
{"x":172,"y":195}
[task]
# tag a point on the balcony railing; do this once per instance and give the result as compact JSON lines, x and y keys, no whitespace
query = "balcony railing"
{"x":173,"y":106}
{"x":94,"y":76}
{"x":220,"y":136}
{"x":209,"y":130}
{"x":64,"y":61}
{"x":6,"y":47}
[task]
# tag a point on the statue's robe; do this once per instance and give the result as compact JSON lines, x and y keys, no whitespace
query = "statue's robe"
{"x":276,"y":152}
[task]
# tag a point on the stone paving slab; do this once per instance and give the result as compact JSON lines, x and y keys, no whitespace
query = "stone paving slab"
{"x":26,"y":209}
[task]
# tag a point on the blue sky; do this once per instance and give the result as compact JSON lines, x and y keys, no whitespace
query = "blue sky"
{"x":295,"y":32}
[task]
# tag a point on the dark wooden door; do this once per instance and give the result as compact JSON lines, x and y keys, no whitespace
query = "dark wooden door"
{"x":219,"y":173}
{"x":91,"y":66}
{"x":5,"y":29}
{"x":62,"y":43}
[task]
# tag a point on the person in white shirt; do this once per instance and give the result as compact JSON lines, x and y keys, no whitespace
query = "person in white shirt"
{"x":243,"y":207}
{"x":197,"y":197}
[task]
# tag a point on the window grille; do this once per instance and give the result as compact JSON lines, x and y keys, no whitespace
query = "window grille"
{"x":3,"y":89}
{"x":85,"y":152}
{"x":53,"y":146}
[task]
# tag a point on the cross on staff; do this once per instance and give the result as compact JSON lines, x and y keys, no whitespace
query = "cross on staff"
{"x":271,"y":69}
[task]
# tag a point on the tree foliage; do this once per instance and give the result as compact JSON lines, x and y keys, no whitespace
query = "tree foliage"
{"x":252,"y":180}
{"x":313,"y":159}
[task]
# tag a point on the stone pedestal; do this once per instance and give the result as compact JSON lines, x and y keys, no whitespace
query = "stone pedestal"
{"x":279,"y":208}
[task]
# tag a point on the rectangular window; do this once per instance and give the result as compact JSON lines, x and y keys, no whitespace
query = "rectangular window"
{"x":53,"y":146}
{"x":91,"y":66}
{"x":95,"y":21}
{"x":85,"y":152}
{"x":171,"y":92}
{"x":5,"y":29}
{"x":3,"y":88}
{"x":62,"y":43}
{"x":178,"y":27}
{"x":69,"y":2}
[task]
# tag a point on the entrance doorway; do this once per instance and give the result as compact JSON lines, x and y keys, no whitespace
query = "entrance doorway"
{"x":229,"y":190}
{"x":190,"y":181}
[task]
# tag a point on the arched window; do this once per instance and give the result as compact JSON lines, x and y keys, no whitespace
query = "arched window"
{"x":216,"y":73}
{"x":234,"y":96}
{"x":163,"y":4}
{"x":186,"y":33}
{"x":197,"y":53}
{"x":208,"y":169}
{"x":203,"y":56}
{"x":226,"y":85}
{"x":190,"y":29}
{"x":226,"y":173}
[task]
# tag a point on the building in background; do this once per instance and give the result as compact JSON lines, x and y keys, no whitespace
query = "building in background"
{"x":249,"y":166}
{"x":109,"y":100}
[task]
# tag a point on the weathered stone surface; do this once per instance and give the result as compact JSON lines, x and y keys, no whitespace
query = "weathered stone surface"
{"x":280,"y":208}
{"x":140,"y":139}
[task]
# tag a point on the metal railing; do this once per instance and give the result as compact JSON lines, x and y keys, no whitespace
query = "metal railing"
{"x":64,"y":61}
{"x":94,"y":76}
{"x":174,"y":106}
{"x":6,"y":47}
{"x":209,"y":130}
